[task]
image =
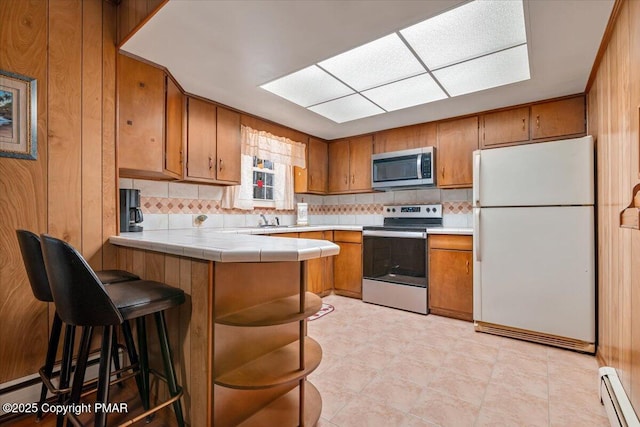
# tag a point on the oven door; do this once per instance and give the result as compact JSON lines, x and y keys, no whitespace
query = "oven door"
{"x":395,"y":269}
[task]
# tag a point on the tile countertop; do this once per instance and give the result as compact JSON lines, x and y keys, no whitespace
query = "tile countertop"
{"x":244,"y":244}
{"x":214,"y":245}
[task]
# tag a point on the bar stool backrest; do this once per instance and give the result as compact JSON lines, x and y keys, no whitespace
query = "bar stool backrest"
{"x":80,"y":297}
{"x":34,"y":264}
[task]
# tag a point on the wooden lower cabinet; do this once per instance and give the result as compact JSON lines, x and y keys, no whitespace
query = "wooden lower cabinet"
{"x":347,"y":270}
{"x":451,"y":276}
{"x":319,"y":270}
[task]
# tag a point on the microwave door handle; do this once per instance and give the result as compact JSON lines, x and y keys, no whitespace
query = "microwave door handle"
{"x":419,"y":166}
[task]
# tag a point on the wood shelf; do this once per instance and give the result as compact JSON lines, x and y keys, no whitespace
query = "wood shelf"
{"x":276,"y":312}
{"x":285,"y":410}
{"x":630,"y":217}
{"x":278,"y":367}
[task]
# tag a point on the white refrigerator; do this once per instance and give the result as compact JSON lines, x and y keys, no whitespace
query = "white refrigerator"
{"x":533,"y":235}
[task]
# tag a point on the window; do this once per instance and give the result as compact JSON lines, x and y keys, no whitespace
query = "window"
{"x":263,"y":179}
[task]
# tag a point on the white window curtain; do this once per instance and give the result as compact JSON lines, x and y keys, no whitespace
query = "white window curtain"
{"x":283,"y":152}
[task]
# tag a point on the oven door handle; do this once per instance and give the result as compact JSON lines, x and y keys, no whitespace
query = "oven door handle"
{"x":399,"y":234}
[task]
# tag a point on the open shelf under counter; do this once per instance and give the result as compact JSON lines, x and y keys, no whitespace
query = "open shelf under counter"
{"x":278,"y":367}
{"x":285,"y":410}
{"x":276,"y":312}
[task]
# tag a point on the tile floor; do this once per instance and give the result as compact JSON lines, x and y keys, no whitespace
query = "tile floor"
{"x":385,"y":367}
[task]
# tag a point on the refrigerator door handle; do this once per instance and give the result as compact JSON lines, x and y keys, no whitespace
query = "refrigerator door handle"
{"x":476,"y":178}
{"x":476,"y":234}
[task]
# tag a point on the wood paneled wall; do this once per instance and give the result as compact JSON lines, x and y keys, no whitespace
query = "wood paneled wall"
{"x":614,"y":113}
{"x":70,"y":190}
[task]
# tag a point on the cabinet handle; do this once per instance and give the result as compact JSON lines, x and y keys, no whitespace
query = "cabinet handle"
{"x":353,"y":178}
{"x":523,"y":122}
{"x":221,"y":165}
{"x":538,"y":121}
{"x":210,"y":162}
{"x":346,"y":179}
{"x":442,"y":172}
{"x":467,"y":262}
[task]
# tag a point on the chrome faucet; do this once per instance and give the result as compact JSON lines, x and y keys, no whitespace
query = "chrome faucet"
{"x":264,"y":218}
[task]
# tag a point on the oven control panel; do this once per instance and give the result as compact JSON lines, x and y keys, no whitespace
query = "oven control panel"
{"x":413,"y":211}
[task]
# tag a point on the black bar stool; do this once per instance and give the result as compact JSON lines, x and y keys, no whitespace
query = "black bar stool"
{"x":34,"y":264}
{"x":82,"y":300}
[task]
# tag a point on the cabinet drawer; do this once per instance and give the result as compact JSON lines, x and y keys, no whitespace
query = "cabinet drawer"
{"x":347,"y":236}
{"x":318,"y":235}
{"x":449,"y":241}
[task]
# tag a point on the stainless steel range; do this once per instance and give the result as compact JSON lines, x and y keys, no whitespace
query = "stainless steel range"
{"x":395,"y":257}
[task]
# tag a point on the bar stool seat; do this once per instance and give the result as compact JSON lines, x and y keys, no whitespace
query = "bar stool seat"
{"x":142,"y":297}
{"x":34,"y":264}
{"x":82,"y":300}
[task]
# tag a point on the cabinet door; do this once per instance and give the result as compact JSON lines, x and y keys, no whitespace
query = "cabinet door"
{"x":505,"y":127}
{"x":315,"y":267}
{"x":558,"y":118}
{"x":201,"y":139}
{"x":141,"y":114}
{"x":317,"y":166}
{"x":175,"y":117}
{"x":347,"y":270}
{"x":228,"y":146}
{"x":360,"y":150}
{"x":451,"y":283}
{"x":339,"y":166}
{"x":457,"y":139}
{"x":405,"y":138}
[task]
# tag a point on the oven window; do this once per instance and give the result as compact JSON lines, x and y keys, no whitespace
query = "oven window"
{"x":395,"y":260}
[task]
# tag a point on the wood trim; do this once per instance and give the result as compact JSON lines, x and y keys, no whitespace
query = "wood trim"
{"x":141,"y":23}
{"x":604,"y":44}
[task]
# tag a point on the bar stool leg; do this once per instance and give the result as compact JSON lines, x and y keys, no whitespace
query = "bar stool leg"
{"x":65,"y":368}
{"x":170,"y":371}
{"x":104,"y":374}
{"x":133,"y":356}
{"x":141,"y":327}
{"x":52,"y":349}
{"x":81,"y":365}
{"x":115,"y":356}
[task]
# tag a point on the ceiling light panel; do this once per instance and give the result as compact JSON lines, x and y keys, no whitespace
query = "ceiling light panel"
{"x":498,"y":69}
{"x":406,"y":93}
{"x":308,"y":86}
{"x":345,"y":109}
{"x":468,"y":31}
{"x":376,"y":63}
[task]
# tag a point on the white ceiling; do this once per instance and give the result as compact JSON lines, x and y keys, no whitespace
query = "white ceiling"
{"x":224,"y":50}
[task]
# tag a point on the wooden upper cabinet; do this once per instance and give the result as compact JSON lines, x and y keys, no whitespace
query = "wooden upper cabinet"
{"x":142,"y":148}
{"x":360,"y":150}
{"x":174,"y":133}
{"x":314,"y":178}
{"x":558,"y":118}
{"x":457,"y":139}
{"x":213,"y":143}
{"x":228,"y":146}
{"x":350,"y":164}
{"x":201,"y":140}
{"x":504,"y":127}
{"x":405,"y":138}
{"x":339,"y":166}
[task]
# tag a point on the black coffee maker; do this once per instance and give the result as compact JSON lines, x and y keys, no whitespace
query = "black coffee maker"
{"x":130,"y":212}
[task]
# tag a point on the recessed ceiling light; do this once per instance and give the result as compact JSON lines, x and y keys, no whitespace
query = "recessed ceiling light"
{"x":345,"y":109}
{"x":376,"y":63}
{"x":498,"y":69}
{"x":468,"y":31}
{"x":477,"y":46}
{"x":308,"y":86}
{"x":406,"y":93}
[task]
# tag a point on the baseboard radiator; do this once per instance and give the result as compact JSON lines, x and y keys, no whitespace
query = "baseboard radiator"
{"x":615,"y":400}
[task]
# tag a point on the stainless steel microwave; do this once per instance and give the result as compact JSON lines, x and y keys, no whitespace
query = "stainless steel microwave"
{"x":406,"y":168}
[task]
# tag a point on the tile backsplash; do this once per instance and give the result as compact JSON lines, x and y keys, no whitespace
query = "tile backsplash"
{"x":169,"y":205}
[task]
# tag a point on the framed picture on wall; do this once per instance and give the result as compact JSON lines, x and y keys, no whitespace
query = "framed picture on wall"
{"x":18,"y":116}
